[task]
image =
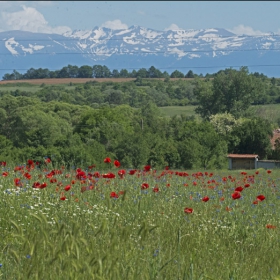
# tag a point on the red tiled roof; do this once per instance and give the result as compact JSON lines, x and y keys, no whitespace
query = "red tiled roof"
{"x":242,"y":156}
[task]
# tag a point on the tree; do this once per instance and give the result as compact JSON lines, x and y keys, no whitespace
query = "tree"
{"x":85,"y":72}
{"x":177,"y":74}
{"x":190,"y":74}
{"x":231,"y":91}
{"x":253,"y":137}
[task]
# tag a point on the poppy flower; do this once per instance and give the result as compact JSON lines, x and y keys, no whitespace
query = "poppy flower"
{"x":188,"y":210}
{"x":247,"y":185}
{"x":17,"y":182}
{"x":260,"y":197}
{"x":63,"y":198}
{"x":107,"y":160}
{"x":147,"y":168}
{"x":236,"y":195}
{"x":132,"y":171}
{"x":3,"y":163}
{"x":109,"y":175}
{"x":47,"y":160}
{"x":117,"y":163}
{"x":5,"y":174}
{"x":257,"y":172}
{"x":156,"y":189}
{"x":36,"y":185}
{"x":268,"y":171}
{"x":239,"y":189}
{"x":205,"y":198}
{"x":67,"y":188}
{"x":145,"y":186}
{"x":114,"y":195}
{"x":121,"y":173}
{"x":43,"y":185}
{"x":255,"y":201}
{"x":270,"y":226}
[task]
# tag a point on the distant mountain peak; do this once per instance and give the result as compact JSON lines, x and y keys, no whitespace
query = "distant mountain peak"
{"x":137,"y":47}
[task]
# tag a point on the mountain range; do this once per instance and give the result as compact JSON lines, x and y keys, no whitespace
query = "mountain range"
{"x":202,"y":51}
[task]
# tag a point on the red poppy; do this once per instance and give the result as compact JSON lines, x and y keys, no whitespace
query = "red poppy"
{"x":236,"y":195}
{"x":156,"y":189}
{"x":3,"y":163}
{"x":36,"y":185}
{"x":268,"y":171}
{"x":247,"y":185}
{"x":109,"y":175}
{"x":205,"y":198}
{"x":42,"y":186}
{"x":114,"y":195}
{"x":255,"y":201}
{"x":145,"y":186}
{"x":147,"y":168}
{"x":107,"y":160}
{"x":17,"y":182}
{"x":30,"y":162}
{"x":239,"y":189}
{"x":132,"y":171}
{"x":121,"y":173}
{"x":63,"y":198}
{"x":257,"y":172}
{"x":80,"y":174}
{"x":270,"y":226}
{"x":53,"y":180}
{"x":67,"y":188}
{"x":117,"y":163}
{"x":188,"y":210}
{"x":96,"y":174}
{"x":260,"y":197}
{"x":27,"y":176}
{"x":5,"y":174}
{"x":47,"y":160}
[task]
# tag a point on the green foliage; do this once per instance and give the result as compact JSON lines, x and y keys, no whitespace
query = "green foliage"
{"x":231,"y":92}
{"x":253,"y":137}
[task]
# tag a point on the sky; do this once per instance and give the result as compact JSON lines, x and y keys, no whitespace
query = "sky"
{"x":239,"y":17}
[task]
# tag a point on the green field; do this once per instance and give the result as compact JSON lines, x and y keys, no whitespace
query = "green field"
{"x":268,"y":111}
{"x":150,"y":225}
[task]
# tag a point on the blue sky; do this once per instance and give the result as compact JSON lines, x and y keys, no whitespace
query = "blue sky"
{"x":240,"y":17}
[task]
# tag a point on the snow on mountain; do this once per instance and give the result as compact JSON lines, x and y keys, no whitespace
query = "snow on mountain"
{"x":137,"y":47}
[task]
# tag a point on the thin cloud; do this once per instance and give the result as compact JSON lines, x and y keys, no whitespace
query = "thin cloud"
{"x":114,"y":24}
{"x":173,"y":26}
{"x":142,"y":13}
{"x":28,"y":19}
{"x":246,"y":30}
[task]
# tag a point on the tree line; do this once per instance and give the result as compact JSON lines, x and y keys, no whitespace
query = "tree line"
{"x":102,"y":71}
{"x":71,"y":132}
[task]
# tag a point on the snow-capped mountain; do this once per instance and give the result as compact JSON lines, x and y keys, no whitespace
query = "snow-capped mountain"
{"x":204,"y":50}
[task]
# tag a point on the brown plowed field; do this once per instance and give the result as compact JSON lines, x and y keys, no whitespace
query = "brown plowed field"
{"x":80,"y":80}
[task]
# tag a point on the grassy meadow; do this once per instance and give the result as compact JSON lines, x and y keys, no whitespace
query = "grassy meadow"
{"x":138,"y":224}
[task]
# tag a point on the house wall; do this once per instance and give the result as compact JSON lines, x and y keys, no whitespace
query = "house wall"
{"x":242,"y":163}
{"x":268,"y":164}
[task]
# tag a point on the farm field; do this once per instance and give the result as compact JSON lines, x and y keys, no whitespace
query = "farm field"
{"x":138,"y":224}
{"x":82,"y":80}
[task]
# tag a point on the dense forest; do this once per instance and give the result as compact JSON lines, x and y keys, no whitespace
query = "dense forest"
{"x":81,"y":124}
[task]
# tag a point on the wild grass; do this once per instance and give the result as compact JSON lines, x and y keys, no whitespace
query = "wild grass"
{"x":139,"y":233}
